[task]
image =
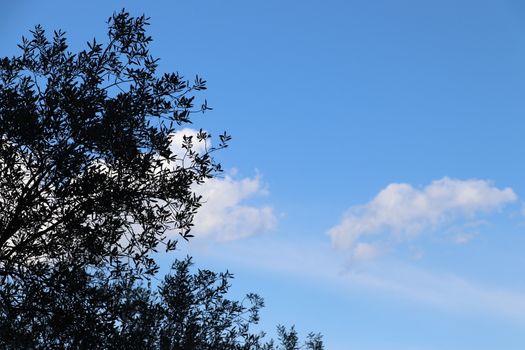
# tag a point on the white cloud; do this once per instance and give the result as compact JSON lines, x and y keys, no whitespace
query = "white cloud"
{"x":405,"y":211}
{"x":365,"y":251}
{"x":198,"y":146}
{"x":223,"y":214}
{"x":177,"y":142}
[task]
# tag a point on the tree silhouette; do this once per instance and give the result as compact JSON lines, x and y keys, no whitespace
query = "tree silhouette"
{"x":79,"y":310}
{"x":86,"y":150}
{"x":90,"y":187}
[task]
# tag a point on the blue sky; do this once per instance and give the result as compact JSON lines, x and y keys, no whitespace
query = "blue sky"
{"x":374,"y":186}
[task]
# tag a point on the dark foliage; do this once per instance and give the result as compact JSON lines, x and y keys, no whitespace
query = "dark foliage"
{"x":190,"y":311}
{"x":90,"y":188}
{"x":87,"y":175}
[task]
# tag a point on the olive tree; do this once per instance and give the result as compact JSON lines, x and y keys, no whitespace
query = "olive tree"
{"x":90,"y":187}
{"x":87,"y":174}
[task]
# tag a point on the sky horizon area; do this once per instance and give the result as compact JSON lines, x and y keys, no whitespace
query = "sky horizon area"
{"x":374,"y":188}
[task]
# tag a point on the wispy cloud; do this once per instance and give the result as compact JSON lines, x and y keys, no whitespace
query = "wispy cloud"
{"x":404,"y":211}
{"x":444,"y":290}
{"x":317,"y":263}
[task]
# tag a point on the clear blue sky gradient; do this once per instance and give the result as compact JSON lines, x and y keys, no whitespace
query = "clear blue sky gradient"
{"x":330,"y":102}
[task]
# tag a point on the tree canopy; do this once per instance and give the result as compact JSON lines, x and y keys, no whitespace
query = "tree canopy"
{"x":85,"y":149}
{"x":90,"y":187}
{"x":78,"y":310}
